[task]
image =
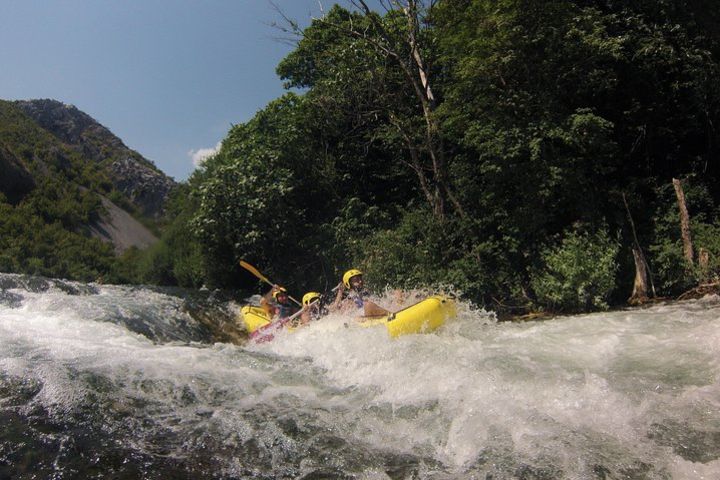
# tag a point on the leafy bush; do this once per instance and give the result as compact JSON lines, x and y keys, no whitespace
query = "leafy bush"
{"x":671,"y":272}
{"x":409,"y":255}
{"x":707,"y":236}
{"x":421,"y":251}
{"x":578,"y":274}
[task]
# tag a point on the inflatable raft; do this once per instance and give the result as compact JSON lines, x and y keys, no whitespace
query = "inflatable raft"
{"x":254,"y":318}
{"x":260,"y":326}
{"x":423,"y":317}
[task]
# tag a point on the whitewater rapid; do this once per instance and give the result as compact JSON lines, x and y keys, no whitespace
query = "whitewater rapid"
{"x":125,"y":382}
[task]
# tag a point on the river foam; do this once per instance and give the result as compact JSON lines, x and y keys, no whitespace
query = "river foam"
{"x":628,"y":394}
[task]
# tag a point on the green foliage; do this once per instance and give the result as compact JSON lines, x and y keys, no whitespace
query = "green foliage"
{"x":30,"y":244}
{"x":176,"y":259}
{"x":409,"y":255}
{"x":578,"y":274}
{"x":186,"y":251}
{"x":421,"y":251}
{"x":156,"y":265}
{"x":43,"y":155}
{"x":671,"y":272}
{"x":355,"y":222}
{"x":707,"y":236}
{"x":44,"y":233}
{"x":546,"y":115}
{"x":359,"y":105}
{"x":263,"y":196}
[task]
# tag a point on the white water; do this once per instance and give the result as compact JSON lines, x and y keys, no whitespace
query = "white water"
{"x":632,"y":394}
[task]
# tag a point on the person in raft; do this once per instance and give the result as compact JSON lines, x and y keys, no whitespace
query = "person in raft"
{"x":351,"y":294}
{"x":313,"y":308}
{"x":277,"y":303}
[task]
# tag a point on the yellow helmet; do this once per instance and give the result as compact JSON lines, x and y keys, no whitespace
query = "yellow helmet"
{"x":310,"y":297}
{"x":278,"y":291}
{"x":348,"y":275}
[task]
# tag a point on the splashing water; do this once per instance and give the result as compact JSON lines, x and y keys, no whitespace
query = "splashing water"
{"x":123,"y":382}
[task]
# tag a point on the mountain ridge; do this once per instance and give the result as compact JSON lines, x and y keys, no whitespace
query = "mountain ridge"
{"x":73,"y":197}
{"x":137,"y":178}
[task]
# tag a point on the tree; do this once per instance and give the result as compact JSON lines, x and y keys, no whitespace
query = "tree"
{"x":393,"y":53}
{"x":454,"y":141}
{"x":263,"y":197}
{"x":684,"y":222}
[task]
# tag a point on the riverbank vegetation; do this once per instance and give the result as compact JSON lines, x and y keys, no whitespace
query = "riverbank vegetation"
{"x":522,"y":152}
{"x":516,"y":150}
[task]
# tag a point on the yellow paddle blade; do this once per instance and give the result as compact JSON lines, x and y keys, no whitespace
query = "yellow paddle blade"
{"x":259,"y":275}
{"x":254,"y":271}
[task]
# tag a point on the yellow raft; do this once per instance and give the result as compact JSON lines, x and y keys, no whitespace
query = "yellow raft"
{"x":423,"y":317}
{"x":254,"y":318}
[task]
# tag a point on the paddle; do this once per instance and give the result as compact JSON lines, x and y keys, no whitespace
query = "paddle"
{"x":262,"y":277}
{"x":263,"y":334}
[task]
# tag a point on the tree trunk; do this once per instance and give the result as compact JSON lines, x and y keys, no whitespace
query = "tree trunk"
{"x":642,"y":269}
{"x":684,"y":222}
{"x":704,"y":263}
{"x":640,"y":287}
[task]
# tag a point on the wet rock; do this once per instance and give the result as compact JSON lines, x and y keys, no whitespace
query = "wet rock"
{"x":326,"y":474}
{"x":690,"y":443}
{"x":528,"y":472}
{"x":76,"y":288}
{"x":8,"y":282}
{"x":34,"y":284}
{"x":10,"y":299}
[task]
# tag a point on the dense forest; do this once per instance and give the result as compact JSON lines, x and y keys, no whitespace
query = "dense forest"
{"x":520,"y":152}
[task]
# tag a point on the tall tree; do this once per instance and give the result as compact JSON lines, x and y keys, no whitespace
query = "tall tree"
{"x":263,"y":197}
{"x":397,"y":73}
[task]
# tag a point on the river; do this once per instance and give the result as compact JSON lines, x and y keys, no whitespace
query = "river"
{"x":128,"y":382}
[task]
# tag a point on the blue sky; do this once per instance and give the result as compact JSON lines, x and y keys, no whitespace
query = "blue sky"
{"x":168,"y":77}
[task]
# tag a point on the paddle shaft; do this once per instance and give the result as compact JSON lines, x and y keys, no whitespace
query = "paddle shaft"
{"x":281,"y":322}
{"x":262,"y":277}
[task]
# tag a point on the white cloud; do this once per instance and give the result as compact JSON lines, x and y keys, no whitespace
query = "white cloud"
{"x":200,"y":155}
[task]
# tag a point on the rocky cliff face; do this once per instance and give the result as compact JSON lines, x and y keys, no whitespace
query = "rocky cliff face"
{"x":133,"y":175}
{"x":116,"y":226}
{"x":15,"y":180}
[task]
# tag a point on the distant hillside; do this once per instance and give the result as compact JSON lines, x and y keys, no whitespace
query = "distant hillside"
{"x":71,"y":193}
{"x":146,"y":187}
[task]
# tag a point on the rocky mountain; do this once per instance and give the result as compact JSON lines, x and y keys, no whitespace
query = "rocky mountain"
{"x":119,"y":228}
{"x":66,"y":182}
{"x":146,"y":187}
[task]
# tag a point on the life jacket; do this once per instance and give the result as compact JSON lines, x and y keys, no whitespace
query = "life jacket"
{"x":358,"y":297}
{"x":284,"y":310}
